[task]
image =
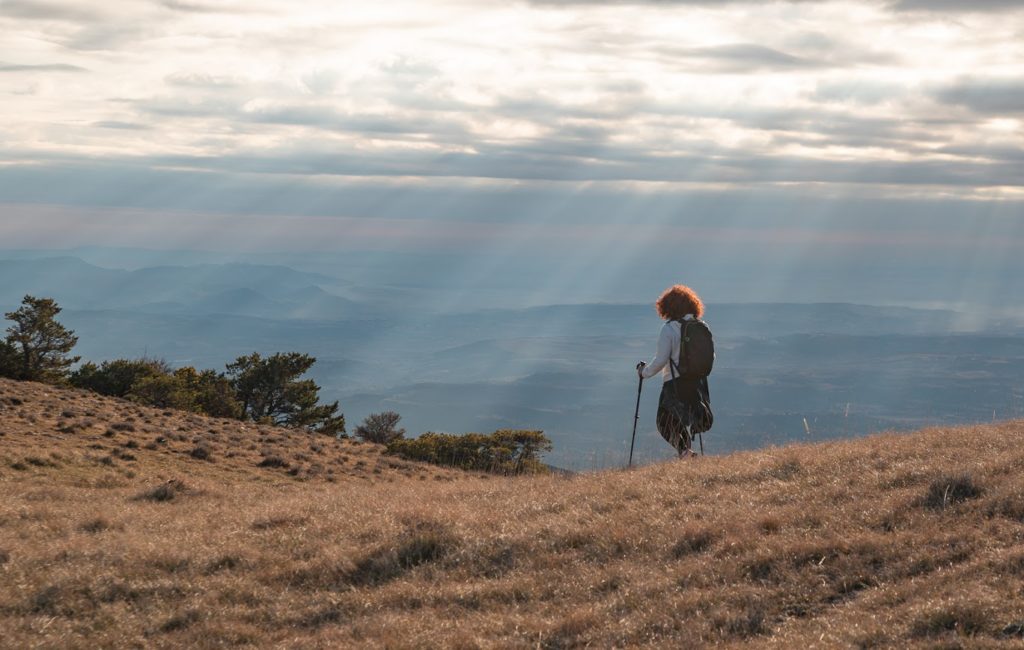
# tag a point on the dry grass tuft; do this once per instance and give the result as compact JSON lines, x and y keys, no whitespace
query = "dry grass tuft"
{"x":418,"y":544}
{"x":950,"y":490}
{"x":696,"y":540}
{"x":961,"y":619}
{"x":168,"y":491}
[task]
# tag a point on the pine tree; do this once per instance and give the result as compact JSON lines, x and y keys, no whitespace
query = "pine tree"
{"x":40,"y":344}
{"x":269,"y":389}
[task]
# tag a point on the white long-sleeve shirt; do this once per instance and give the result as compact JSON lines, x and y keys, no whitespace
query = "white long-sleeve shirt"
{"x":668,"y":348}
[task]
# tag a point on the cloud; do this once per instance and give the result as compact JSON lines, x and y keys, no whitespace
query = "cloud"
{"x":40,"y":67}
{"x":202,"y":80}
{"x":107,"y":36}
{"x":551,"y":160}
{"x":741,"y":57}
{"x":65,"y":11}
{"x":125,"y":126}
{"x":988,"y":96}
{"x":192,"y":7}
{"x":958,"y":6}
{"x":623,"y":94}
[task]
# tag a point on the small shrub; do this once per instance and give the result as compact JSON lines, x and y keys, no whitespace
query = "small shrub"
{"x":280,"y":521}
{"x":97,"y":525}
{"x":164,"y":492}
{"x":48,"y":600}
{"x":381,"y":428}
{"x":122,"y":426}
{"x":748,"y":624}
{"x":272,"y":461}
{"x":200,"y":452}
{"x":505,"y":451}
{"x":949,"y":490}
{"x":5,"y":557}
{"x":760,"y":569}
{"x":423,"y":543}
{"x":170,"y":564}
{"x":1011,"y":507}
{"x":693,"y":541}
{"x":783,"y":470}
{"x":1014,"y":630}
{"x":181,"y":621}
{"x":224,"y":563}
{"x":966,"y":620}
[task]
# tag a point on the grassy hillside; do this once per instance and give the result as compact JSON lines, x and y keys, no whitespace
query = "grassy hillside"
{"x":116,"y":531}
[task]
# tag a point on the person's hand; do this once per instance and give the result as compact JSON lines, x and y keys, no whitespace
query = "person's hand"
{"x":640,"y":369}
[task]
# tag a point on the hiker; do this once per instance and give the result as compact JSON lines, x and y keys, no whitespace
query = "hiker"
{"x":684,"y":408}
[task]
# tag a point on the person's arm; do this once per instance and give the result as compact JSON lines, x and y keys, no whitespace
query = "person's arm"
{"x":660,"y":359}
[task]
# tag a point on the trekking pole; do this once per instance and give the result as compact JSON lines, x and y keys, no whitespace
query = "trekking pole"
{"x":700,"y":436}
{"x":636,"y":418}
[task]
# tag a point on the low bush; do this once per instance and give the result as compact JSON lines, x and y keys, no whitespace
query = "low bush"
{"x":503,"y":452}
{"x":164,"y":492}
{"x":949,"y":490}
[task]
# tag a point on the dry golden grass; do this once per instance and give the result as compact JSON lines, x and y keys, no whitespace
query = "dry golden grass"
{"x":891,"y":541}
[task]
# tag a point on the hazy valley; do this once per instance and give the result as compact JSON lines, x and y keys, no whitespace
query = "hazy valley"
{"x":784,"y":371}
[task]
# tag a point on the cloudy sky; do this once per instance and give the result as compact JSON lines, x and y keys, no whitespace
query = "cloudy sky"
{"x":313,"y":125}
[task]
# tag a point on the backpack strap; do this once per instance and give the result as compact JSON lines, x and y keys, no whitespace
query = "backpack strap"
{"x":674,"y":367}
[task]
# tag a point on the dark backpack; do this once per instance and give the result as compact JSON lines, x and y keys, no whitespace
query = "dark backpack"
{"x":696,"y":350}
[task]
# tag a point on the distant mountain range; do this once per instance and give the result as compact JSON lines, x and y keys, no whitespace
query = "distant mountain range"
{"x":238,"y":289}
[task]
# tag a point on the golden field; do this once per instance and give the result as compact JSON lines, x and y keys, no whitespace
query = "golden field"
{"x":123,"y":526}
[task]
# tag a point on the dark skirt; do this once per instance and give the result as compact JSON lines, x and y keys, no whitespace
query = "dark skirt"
{"x":684,"y":410}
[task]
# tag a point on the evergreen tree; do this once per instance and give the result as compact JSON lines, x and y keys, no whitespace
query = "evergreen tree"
{"x":41,"y":344}
{"x":117,"y":378}
{"x":270,"y":390}
{"x":8,"y":361}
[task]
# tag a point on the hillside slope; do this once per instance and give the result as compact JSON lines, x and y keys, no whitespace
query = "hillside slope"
{"x":889,"y":541}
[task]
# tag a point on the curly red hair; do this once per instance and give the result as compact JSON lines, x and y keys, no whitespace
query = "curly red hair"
{"x":677,"y":301}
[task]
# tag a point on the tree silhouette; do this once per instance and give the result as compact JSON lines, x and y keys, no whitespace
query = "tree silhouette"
{"x":39,"y":343}
{"x":269,"y":389}
{"x":380,"y":428}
